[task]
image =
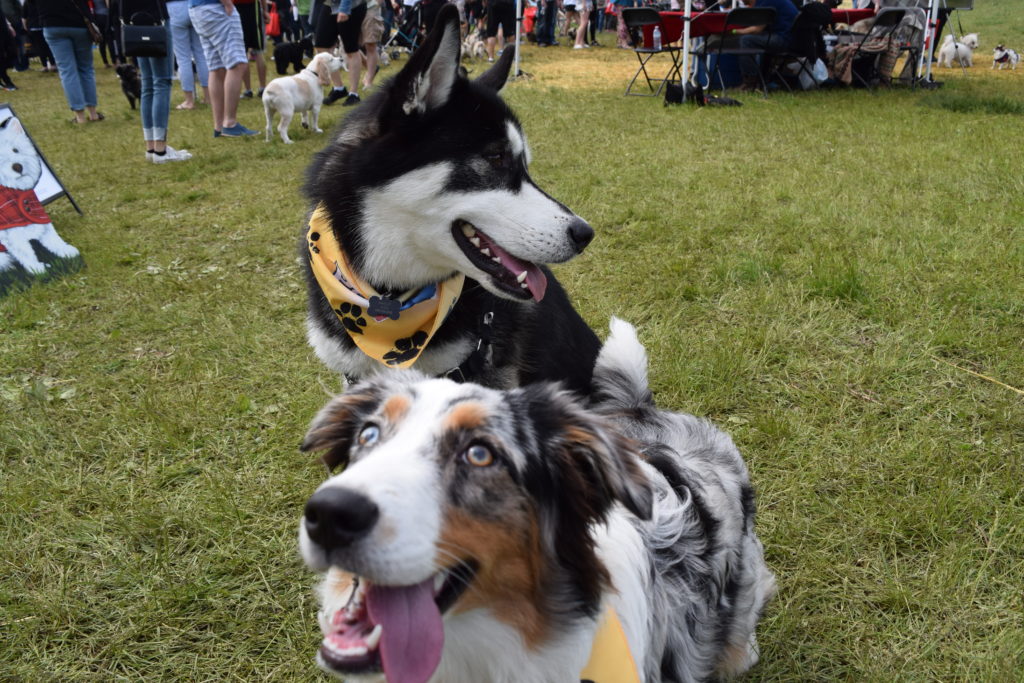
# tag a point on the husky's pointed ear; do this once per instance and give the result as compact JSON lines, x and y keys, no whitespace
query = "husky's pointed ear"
{"x":427,"y":79}
{"x":496,"y":77}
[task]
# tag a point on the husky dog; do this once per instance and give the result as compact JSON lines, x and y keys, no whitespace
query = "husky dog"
{"x":425,"y":184}
{"x":22,"y":217}
{"x":1003,"y":56}
{"x":484,"y":535}
{"x":961,"y":51}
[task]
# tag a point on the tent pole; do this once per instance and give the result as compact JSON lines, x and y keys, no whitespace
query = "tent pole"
{"x":687,"y":15}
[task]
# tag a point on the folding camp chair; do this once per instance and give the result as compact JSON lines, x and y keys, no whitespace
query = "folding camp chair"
{"x":884,"y":27}
{"x":806,"y":44}
{"x":636,"y":18}
{"x":726,"y":44}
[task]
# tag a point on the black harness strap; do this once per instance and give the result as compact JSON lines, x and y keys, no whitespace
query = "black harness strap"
{"x":481,"y":356}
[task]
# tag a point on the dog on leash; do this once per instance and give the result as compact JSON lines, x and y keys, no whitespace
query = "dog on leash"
{"x":131,"y":85}
{"x":428,"y":239}
{"x":1003,"y":56}
{"x":292,"y":54}
{"x":300,"y":93}
{"x":961,"y":51}
{"x":477,"y":534}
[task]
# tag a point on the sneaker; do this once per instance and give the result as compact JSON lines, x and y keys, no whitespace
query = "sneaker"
{"x":216,"y":133}
{"x":335,"y":95}
{"x":237,"y":131}
{"x":351,"y":100}
{"x":171,"y":154}
{"x":246,"y":95}
{"x":259,"y":93}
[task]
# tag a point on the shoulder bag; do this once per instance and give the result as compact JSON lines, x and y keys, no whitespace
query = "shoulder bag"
{"x":144,"y":35}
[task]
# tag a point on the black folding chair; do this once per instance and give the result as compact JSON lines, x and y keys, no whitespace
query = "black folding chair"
{"x":884,"y":26}
{"x":636,"y":18}
{"x":806,"y":44}
{"x":726,"y":44}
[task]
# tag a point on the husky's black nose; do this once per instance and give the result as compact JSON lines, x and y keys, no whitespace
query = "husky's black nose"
{"x":580,"y":233}
{"x":336,"y":517}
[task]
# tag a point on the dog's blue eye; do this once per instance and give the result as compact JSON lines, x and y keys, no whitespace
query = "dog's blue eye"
{"x":478,"y":456}
{"x":369,"y":435}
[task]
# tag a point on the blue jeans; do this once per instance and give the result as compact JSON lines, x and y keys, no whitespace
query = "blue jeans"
{"x":72,"y":48}
{"x":156,"y":93}
{"x":186,"y":47}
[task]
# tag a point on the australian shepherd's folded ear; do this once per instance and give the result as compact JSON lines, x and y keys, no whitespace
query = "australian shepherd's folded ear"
{"x":437,"y":230}
{"x":490,"y":536}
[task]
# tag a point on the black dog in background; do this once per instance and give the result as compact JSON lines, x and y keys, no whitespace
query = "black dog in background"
{"x":291,"y":54}
{"x":130,"y":83}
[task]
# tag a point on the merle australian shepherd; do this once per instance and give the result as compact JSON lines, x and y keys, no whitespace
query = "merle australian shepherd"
{"x":427,"y":179}
{"x":479,"y":535}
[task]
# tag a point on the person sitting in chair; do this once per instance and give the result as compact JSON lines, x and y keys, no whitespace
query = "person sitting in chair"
{"x":759,"y":37}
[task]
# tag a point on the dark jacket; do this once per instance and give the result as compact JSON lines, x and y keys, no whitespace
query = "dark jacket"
{"x":154,"y":8}
{"x":62,"y":13}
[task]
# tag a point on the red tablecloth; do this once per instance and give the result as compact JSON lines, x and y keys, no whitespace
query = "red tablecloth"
{"x":710,"y":23}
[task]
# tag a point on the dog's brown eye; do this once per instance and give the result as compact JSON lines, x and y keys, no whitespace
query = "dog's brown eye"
{"x":369,"y":435}
{"x":497,"y":159}
{"x":478,"y":456}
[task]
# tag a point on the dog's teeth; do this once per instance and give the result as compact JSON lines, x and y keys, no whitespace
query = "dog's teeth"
{"x":475,"y":241}
{"x":374,"y":637}
{"x":439,"y":581}
{"x":485,"y":251}
{"x":468,"y":229}
{"x":524,"y":285}
{"x":521,"y":277}
{"x":353,"y":652}
{"x":496,"y":259}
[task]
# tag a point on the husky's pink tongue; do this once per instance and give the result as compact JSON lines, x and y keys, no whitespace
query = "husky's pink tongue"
{"x":413,"y":634}
{"x":535,"y":279}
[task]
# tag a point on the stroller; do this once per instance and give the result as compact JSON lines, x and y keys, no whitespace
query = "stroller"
{"x":408,"y":35}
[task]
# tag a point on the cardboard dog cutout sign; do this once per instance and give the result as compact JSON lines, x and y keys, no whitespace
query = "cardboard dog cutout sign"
{"x":30,"y":248}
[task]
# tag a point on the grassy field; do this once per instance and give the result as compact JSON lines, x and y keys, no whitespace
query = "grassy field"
{"x":837,"y":278}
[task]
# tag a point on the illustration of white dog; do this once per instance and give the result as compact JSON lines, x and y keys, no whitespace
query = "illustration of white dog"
{"x":962,"y":51}
{"x":299,"y":93}
{"x":22,"y":216}
{"x":1003,"y":56}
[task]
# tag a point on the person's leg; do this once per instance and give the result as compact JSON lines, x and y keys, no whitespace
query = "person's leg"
{"x":261,"y":70}
{"x":217,"y":78}
{"x":86,"y":75}
{"x":63,"y":49}
{"x":146,"y":102}
{"x":581,"y":32}
{"x":371,"y":64}
{"x":325,"y":37}
{"x":349,"y":33}
{"x":163,"y":70}
{"x":181,"y":30}
{"x":202,"y":67}
{"x":232,"y":89}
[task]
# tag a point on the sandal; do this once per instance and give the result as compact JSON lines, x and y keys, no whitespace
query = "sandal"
{"x":99,"y":117}
{"x":76,"y":121}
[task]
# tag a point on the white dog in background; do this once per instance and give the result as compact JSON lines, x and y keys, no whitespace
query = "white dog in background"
{"x":1003,"y":56}
{"x":962,"y":51}
{"x":299,"y":93}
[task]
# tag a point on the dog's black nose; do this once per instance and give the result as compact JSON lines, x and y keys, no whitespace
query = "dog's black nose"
{"x":16,"y":167}
{"x":580,"y":233}
{"x":336,"y":517}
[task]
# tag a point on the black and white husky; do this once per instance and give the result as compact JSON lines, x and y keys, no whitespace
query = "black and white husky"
{"x":428,"y":178}
{"x":477,"y":535}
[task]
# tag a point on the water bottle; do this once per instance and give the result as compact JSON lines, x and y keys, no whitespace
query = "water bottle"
{"x":657,"y":38}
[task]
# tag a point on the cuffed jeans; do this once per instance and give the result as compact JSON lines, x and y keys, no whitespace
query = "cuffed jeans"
{"x":187,"y":47}
{"x":156,"y":94}
{"x":72,"y":49}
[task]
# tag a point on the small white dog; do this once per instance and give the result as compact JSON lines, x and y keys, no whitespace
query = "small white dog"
{"x":1003,"y":56}
{"x":299,"y":93}
{"x":961,"y":51}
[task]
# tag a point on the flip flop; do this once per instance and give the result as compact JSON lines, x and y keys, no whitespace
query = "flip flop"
{"x":184,"y":108}
{"x":76,"y":121}
{"x":99,"y":117}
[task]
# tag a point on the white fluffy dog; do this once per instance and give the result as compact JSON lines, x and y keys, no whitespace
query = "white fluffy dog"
{"x":1003,"y":56}
{"x":299,"y":93}
{"x":962,"y":51}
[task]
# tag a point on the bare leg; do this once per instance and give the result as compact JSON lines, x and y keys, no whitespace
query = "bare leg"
{"x":216,"y":97}
{"x":355,"y":67}
{"x":371,"y":64}
{"x":232,"y":88}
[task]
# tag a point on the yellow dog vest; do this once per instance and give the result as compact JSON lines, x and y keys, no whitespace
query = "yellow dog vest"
{"x":610,"y":658}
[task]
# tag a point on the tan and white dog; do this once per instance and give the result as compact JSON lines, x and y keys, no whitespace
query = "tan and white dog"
{"x":299,"y":93}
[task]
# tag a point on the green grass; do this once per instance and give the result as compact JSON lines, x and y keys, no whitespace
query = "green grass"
{"x":802,"y":269}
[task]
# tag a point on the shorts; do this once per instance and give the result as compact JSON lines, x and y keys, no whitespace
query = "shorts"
{"x":220,"y":35}
{"x":373,"y":27}
{"x":504,"y":15}
{"x":252,"y":26}
{"x":328,"y":29}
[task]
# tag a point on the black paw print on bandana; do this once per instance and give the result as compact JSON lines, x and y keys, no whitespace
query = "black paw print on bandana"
{"x":351,"y":317}
{"x":406,"y":348}
{"x":313,"y":239}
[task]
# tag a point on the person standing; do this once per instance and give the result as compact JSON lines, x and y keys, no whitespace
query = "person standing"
{"x":500,"y":14}
{"x":187,"y":50}
{"x":585,"y":9}
{"x":254,"y":16}
{"x":220,"y":32}
{"x":65,"y":32}
{"x":369,"y":38}
{"x":342,"y":19}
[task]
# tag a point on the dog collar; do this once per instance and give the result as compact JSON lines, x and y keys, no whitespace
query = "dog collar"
{"x":610,"y":658}
{"x":392,"y":331}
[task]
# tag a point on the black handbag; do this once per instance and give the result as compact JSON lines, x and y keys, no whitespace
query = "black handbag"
{"x":144,"y":36}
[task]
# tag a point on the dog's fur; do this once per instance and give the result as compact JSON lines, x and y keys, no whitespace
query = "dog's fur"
{"x":427,"y":154}
{"x":532,"y":515}
{"x":1003,"y":56}
{"x":960,"y":51}
{"x":300,"y":93}
{"x":131,"y":85}
{"x":474,"y":46}
{"x":292,"y":54}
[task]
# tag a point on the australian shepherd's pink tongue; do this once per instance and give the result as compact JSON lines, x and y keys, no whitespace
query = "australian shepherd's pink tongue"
{"x":535,"y":278}
{"x":412,"y":634}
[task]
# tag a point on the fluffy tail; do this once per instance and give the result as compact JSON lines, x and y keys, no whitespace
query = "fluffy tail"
{"x":948,"y":39}
{"x":620,"y":374}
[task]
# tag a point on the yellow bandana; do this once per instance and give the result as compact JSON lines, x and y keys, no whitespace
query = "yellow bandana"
{"x":610,"y":658}
{"x":391,"y":331}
